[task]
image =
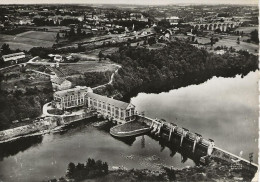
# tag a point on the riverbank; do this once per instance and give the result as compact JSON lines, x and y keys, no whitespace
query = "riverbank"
{"x":165,"y":85}
{"x":177,"y":65}
{"x":215,"y":170}
{"x":45,"y":125}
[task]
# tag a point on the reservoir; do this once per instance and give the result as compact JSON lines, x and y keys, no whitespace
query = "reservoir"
{"x":223,"y":109}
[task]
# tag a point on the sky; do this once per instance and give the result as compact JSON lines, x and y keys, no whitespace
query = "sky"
{"x":145,"y":2}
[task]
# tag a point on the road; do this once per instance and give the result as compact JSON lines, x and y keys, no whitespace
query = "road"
{"x":30,"y":61}
{"x":111,"y":78}
{"x":47,"y":63}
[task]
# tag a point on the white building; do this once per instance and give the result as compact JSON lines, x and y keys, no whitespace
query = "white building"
{"x":56,"y":57}
{"x":70,"y":98}
{"x":110,"y":107}
{"x":174,"y":20}
{"x":59,"y":83}
{"x":13,"y":57}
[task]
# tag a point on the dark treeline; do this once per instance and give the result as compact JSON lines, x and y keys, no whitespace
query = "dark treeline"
{"x":12,"y":148}
{"x":44,"y":51}
{"x":92,"y":79}
{"x":79,"y":172}
{"x":178,"y":63}
{"x":18,"y":104}
{"x":45,"y":22}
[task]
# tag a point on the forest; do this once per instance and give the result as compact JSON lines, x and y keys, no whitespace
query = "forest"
{"x":18,"y":105}
{"x":179,"y":63}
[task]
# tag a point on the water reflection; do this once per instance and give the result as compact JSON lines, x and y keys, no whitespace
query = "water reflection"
{"x":224,"y":109}
{"x":128,"y":140}
{"x":50,"y":158}
{"x":19,"y":145}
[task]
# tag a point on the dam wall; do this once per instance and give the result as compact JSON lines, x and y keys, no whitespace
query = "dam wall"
{"x":193,"y":145}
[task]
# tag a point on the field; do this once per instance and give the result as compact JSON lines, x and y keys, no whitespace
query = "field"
{"x":54,"y":28}
{"x":231,"y":41}
{"x":92,"y":55}
{"x":28,"y":40}
{"x":46,"y":36}
{"x":93,"y":66}
{"x":246,"y":29}
{"x":14,"y":78}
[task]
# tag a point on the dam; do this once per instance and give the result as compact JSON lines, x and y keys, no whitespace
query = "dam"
{"x":193,"y":145}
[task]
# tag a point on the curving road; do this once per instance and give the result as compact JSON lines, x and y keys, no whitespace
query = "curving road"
{"x":111,"y":78}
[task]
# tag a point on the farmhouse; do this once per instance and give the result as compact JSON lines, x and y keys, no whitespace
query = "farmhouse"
{"x":135,"y":16}
{"x":13,"y":57}
{"x":110,"y":107}
{"x":74,"y":97}
{"x":56,"y":57}
{"x":174,"y":20}
{"x":59,"y":83}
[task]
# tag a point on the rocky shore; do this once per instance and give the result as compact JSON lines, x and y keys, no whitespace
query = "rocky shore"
{"x":41,"y":126}
{"x":215,"y":170}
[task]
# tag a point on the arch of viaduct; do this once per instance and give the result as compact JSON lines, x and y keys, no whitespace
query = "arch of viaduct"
{"x":213,"y":26}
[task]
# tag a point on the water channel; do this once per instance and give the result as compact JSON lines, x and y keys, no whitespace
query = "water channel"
{"x":224,"y":109}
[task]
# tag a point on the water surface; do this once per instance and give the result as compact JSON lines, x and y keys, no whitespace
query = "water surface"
{"x":224,"y":109}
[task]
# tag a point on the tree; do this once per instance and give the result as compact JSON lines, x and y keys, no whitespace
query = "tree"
{"x":66,"y":34}
{"x":100,"y":55}
{"x":57,"y":37}
{"x":145,"y":42}
{"x":17,"y":93}
{"x":78,"y":31}
{"x":5,"y":49}
{"x":1,"y":79}
{"x":99,"y":165}
{"x":211,"y":41}
{"x":151,"y":40}
{"x":238,"y":40}
{"x":72,"y":32}
{"x":254,"y":36}
{"x":251,"y":157}
{"x":2,"y":62}
{"x":80,"y":166}
{"x":164,"y":23}
{"x":90,"y":163}
{"x":193,"y":38}
{"x":105,"y":167}
{"x":71,"y":169}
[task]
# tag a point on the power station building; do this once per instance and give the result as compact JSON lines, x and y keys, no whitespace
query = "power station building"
{"x":84,"y":96}
{"x":70,"y":98}
{"x":111,"y":108}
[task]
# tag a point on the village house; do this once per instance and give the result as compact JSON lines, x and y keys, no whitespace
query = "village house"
{"x":13,"y":57}
{"x":110,"y":107}
{"x":70,"y":98}
{"x":56,"y":57}
{"x":173,"y":20}
{"x":60,"y":83}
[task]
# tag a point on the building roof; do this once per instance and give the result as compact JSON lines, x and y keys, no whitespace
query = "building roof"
{"x":173,"y":18}
{"x":58,"y":80}
{"x":13,"y":55}
{"x":116,"y":103}
{"x":72,"y":91}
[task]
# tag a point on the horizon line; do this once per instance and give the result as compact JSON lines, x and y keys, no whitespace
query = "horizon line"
{"x":97,"y":3}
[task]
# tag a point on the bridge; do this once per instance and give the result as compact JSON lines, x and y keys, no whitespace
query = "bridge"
{"x":217,"y":25}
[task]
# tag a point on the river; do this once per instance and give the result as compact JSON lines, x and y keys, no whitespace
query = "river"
{"x":224,"y":109}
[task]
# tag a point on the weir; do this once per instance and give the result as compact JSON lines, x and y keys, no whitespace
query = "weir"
{"x":191,"y":144}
